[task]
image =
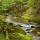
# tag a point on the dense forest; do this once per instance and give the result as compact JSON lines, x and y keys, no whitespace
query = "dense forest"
{"x":19,"y":11}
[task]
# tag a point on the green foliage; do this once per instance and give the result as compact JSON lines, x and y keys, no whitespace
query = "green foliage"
{"x":14,"y":29}
{"x":36,"y":19}
{"x":6,"y":3}
{"x":2,"y":37}
{"x":18,"y":36}
{"x":14,"y":33}
{"x":32,"y":3}
{"x":2,"y":19}
{"x":8,"y":28}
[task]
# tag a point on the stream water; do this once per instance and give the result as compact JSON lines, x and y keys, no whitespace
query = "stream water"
{"x":25,"y":26}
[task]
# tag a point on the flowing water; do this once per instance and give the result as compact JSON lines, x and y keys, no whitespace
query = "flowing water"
{"x":25,"y":26}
